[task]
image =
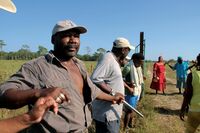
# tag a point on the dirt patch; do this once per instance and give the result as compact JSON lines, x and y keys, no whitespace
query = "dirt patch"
{"x":167,"y":108}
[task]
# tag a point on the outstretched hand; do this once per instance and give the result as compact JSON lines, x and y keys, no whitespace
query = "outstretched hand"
{"x":41,"y":106}
{"x":58,"y":94}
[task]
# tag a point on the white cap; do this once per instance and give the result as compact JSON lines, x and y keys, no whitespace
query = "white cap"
{"x":122,"y":43}
{"x":65,"y":25}
{"x":8,"y":5}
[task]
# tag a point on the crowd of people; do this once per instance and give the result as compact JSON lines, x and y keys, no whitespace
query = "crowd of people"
{"x":63,"y":97}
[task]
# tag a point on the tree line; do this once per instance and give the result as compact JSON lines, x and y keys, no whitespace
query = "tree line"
{"x":24,"y":53}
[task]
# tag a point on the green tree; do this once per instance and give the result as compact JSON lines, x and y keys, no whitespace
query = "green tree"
{"x":2,"y":43}
{"x":101,"y":50}
{"x":24,"y":53}
{"x":41,"y":50}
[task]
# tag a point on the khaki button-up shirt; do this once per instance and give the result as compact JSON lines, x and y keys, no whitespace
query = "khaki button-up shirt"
{"x":46,"y":71}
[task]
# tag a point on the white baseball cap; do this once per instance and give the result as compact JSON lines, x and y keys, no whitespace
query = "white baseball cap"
{"x":122,"y":43}
{"x":65,"y":25}
{"x":8,"y":5}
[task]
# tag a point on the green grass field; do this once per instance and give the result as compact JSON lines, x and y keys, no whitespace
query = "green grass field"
{"x":149,"y":124}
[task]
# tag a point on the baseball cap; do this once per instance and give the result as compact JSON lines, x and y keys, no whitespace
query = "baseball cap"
{"x":65,"y":25}
{"x":8,"y":5}
{"x":122,"y":43}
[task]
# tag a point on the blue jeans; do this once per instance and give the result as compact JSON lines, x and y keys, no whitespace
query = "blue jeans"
{"x":107,"y":127}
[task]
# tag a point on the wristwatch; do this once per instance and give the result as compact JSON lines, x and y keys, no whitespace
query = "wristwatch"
{"x":112,"y":93}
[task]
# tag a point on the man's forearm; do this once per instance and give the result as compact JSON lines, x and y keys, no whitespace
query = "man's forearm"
{"x":13,"y":98}
{"x":105,"y":96}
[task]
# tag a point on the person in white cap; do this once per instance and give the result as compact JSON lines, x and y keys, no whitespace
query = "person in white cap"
{"x":107,"y":76}
{"x":60,"y":75}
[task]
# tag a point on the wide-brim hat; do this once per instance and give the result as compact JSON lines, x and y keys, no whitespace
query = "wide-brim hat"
{"x":8,"y":5}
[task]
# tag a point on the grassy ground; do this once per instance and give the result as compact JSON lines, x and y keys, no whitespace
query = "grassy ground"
{"x":160,"y":111}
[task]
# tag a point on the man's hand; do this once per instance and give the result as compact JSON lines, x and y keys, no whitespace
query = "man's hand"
{"x":118,"y":98}
{"x":41,"y":106}
{"x":131,"y":90}
{"x":58,"y":94}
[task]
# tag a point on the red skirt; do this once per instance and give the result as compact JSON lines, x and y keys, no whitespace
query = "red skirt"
{"x":156,"y":85}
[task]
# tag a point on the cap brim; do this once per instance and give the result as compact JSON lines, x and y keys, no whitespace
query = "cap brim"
{"x":81,"y":29}
{"x":8,"y":5}
{"x":131,"y":47}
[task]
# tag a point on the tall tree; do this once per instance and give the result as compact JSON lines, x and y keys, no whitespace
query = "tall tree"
{"x":41,"y":50}
{"x":2,"y":43}
{"x":101,"y":50}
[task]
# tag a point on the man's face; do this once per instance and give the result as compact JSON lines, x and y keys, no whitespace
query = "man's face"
{"x":138,"y":62}
{"x":67,"y":43}
{"x":125,"y":52}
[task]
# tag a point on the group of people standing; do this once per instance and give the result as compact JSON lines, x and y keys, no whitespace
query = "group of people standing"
{"x":60,"y":93}
{"x":159,"y":74}
{"x":187,"y":78}
{"x":63,"y":78}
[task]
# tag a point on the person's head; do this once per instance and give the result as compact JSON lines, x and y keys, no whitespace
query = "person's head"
{"x":8,"y":5}
{"x":124,"y":61}
{"x":180,"y":60}
{"x":121,"y":47}
{"x":66,"y":38}
{"x":138,"y":59}
{"x":160,"y":59}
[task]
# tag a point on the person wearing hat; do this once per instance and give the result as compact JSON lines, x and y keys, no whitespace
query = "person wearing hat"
{"x":61,"y":76}
{"x":181,"y":68}
{"x":191,"y":101}
{"x":108,"y":77}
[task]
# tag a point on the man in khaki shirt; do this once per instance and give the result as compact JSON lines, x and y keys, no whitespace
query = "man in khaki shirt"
{"x":60,"y":75}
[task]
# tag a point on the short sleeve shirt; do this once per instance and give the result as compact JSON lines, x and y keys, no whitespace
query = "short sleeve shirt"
{"x":108,"y":71}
